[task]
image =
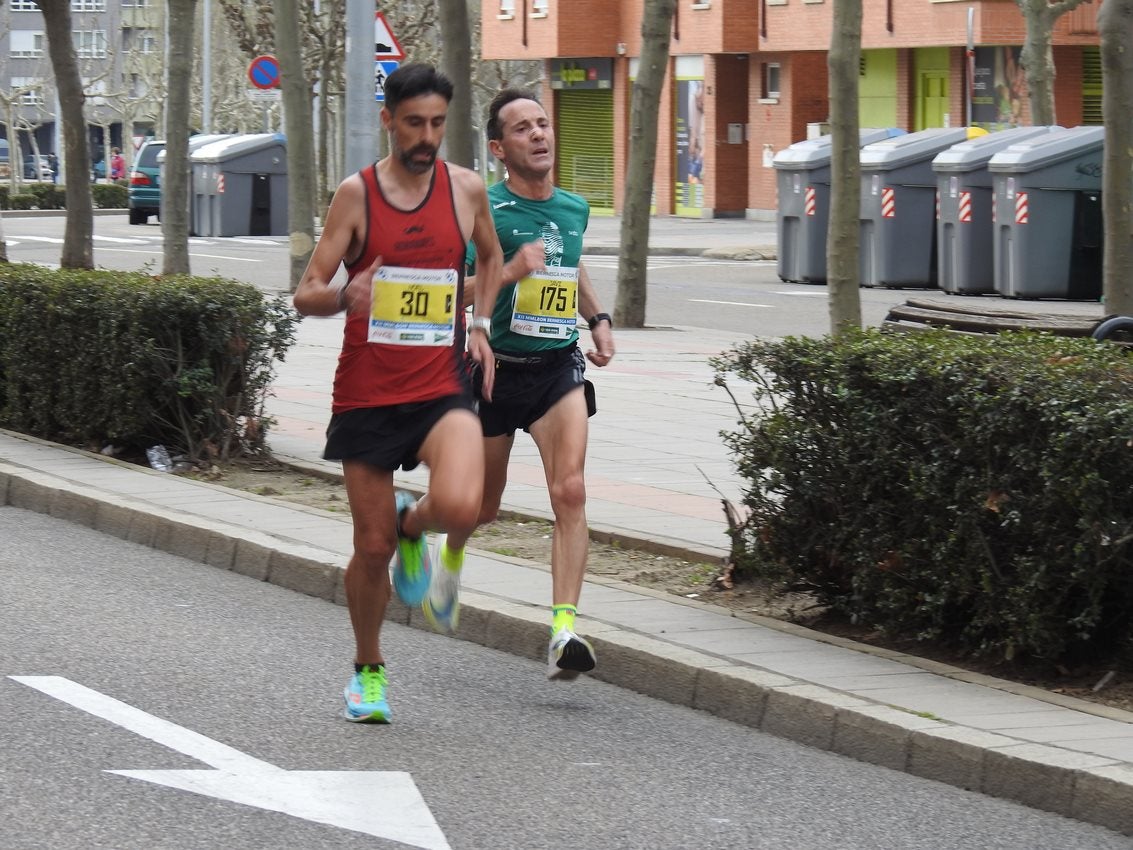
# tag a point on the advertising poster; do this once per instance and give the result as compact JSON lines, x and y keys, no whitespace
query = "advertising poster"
{"x":999,"y":88}
{"x":690,"y":146}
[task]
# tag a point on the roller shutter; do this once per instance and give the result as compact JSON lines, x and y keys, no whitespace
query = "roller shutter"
{"x":586,"y":146}
{"x":1091,"y":85}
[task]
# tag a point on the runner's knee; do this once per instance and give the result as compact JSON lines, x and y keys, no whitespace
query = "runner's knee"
{"x":568,"y":495}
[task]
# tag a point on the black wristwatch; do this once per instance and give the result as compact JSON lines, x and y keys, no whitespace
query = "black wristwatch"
{"x":599,"y":317}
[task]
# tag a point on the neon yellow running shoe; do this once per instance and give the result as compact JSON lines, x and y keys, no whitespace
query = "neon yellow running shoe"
{"x":365,"y":696}
{"x":411,"y":563}
{"x":441,"y":605}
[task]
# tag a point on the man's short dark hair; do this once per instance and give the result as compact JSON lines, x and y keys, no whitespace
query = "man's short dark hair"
{"x":414,"y":80}
{"x":495,"y":129}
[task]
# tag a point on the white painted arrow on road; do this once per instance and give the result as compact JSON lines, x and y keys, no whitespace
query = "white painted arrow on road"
{"x":385,"y":804}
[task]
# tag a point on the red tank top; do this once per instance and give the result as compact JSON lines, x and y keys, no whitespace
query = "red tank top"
{"x":376,"y":374}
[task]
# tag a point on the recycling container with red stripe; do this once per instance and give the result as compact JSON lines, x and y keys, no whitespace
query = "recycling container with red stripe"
{"x":964,"y":261}
{"x":1047,"y":234}
{"x":898,"y":208}
{"x":803,"y":176}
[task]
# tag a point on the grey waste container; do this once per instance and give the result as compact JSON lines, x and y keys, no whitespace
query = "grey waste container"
{"x":1048,"y":216}
{"x":195,"y":142}
{"x":964,"y":261}
{"x":898,"y":236}
{"x":803,"y":177}
{"x":240,"y":186}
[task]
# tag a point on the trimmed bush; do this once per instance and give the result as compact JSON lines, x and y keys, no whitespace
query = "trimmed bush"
{"x":972,"y":491}
{"x":108,"y":196}
{"x":23,"y":201}
{"x":97,"y":357}
{"x":48,"y":196}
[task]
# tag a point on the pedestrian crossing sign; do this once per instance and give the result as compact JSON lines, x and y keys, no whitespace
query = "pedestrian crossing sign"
{"x":382,"y":70}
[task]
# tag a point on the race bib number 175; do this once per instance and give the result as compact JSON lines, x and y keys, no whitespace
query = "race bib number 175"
{"x":546,"y":303}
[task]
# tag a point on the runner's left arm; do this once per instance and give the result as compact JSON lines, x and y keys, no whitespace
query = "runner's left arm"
{"x":589,"y":306}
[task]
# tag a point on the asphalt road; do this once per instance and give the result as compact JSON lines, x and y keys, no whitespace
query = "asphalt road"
{"x":194,"y":667}
{"x":722,"y":295}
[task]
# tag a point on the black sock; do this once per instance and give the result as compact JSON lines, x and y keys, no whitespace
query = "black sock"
{"x":358,"y":667}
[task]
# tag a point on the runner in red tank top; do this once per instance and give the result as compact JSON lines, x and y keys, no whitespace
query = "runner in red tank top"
{"x":401,"y":394}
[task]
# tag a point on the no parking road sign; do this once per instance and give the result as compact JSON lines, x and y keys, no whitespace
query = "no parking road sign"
{"x":382,"y":69}
{"x":263,"y":71}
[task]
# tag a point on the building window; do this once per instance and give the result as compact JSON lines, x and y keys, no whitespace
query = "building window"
{"x":139,"y":40}
{"x":507,"y":8}
{"x":90,"y":44}
{"x":88,"y":5}
{"x":25,"y":6}
{"x":769,"y":89}
{"x":131,"y":4}
{"x":27,"y":44}
{"x":539,"y":8}
{"x":29,"y":90}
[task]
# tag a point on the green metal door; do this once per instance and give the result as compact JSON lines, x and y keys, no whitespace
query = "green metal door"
{"x":586,"y":146}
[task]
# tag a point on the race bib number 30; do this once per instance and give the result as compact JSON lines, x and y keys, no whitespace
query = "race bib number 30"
{"x":546,"y":303}
{"x":413,"y":306}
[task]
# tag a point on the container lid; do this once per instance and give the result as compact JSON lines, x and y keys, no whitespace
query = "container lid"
{"x":1049,"y":149}
{"x":975,"y":153}
{"x":813,"y":153}
{"x":911,"y":148}
{"x":233,"y":146}
{"x":198,"y":141}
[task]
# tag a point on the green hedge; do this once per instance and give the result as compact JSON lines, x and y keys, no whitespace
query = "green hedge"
{"x":97,"y":357}
{"x":48,"y":196}
{"x":972,"y":491}
{"x":108,"y":196}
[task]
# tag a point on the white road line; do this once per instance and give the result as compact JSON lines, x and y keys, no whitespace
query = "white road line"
{"x":191,"y":254}
{"x":731,"y":303}
{"x":49,"y":239}
{"x":182,"y":740}
{"x":801,"y":294}
{"x":128,"y":240}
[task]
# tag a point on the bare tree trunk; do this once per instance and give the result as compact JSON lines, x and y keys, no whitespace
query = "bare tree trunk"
{"x":300,"y":138}
{"x":633,"y":256}
{"x":1115,"y":25}
{"x":843,"y":239}
{"x":78,"y":241}
{"x":1036,"y":58}
{"x":456,"y":59}
{"x":179,"y":34}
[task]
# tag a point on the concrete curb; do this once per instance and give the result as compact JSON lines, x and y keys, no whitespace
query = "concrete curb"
{"x":1088,"y":788}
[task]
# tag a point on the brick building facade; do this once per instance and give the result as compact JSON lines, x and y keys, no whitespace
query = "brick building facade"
{"x":747,"y":78}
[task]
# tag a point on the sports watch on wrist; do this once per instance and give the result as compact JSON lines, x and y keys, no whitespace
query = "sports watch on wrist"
{"x":481,"y":323}
{"x":599,"y":317}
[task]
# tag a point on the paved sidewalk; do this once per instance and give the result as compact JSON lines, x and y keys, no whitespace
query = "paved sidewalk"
{"x":655,"y":465}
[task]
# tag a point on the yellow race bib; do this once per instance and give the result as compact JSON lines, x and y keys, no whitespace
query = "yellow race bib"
{"x":546,"y":303}
{"x":413,"y":306}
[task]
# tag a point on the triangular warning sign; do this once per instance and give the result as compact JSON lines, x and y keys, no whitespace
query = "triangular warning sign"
{"x":385,"y":45}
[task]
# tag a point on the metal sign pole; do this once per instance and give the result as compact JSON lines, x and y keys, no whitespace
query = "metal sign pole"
{"x":361,"y":125}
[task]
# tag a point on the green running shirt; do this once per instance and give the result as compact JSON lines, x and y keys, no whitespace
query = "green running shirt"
{"x":560,"y":221}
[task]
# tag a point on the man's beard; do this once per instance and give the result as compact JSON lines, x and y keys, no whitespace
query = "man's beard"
{"x":416,"y":166}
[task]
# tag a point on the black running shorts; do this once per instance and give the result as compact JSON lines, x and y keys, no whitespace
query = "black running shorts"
{"x":388,"y":437}
{"x":525,"y":391}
